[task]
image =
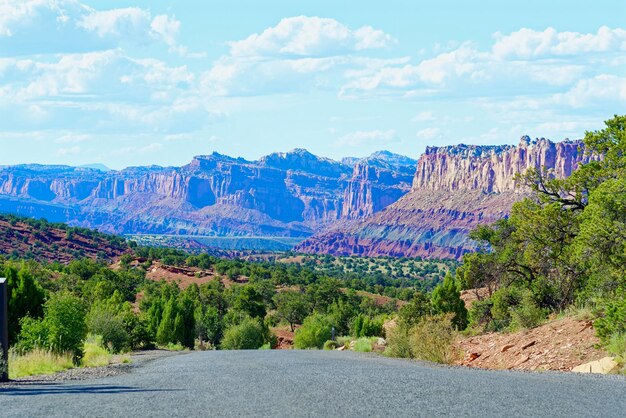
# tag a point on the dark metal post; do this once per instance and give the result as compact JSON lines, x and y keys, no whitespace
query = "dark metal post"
{"x":4,"y":329}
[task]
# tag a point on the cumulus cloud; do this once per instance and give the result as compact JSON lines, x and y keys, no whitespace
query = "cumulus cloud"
{"x":527,"y":43}
{"x":309,"y":36}
{"x":523,"y":62}
{"x":66,"y":26}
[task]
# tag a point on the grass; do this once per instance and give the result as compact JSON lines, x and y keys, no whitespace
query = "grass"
{"x":38,"y":362}
{"x":173,"y":347}
{"x":95,"y":353}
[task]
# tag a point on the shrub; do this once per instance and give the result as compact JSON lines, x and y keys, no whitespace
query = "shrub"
{"x":446,"y":298}
{"x":480,"y":313}
{"x":364,"y":326}
{"x":33,"y":335}
{"x":399,"y":342}
{"x":315,"y":330}
{"x":612,"y":320}
{"x":64,"y":319}
{"x":363,"y":345}
{"x":110,"y":327}
{"x":527,"y":314}
{"x":330,"y":345}
{"x":431,"y":340}
{"x":344,"y":341}
{"x":248,"y":335}
{"x":617,"y":346}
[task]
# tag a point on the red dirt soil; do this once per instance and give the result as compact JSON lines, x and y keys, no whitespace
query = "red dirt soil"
{"x":559,"y":345}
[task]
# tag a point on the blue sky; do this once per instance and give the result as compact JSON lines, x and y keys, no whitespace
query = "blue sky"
{"x":156,"y":82}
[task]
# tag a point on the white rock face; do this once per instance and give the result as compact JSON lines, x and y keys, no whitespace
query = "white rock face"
{"x":492,"y":169}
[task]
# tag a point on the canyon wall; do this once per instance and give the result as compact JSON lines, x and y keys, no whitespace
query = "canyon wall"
{"x":454,"y":189}
{"x":283,"y":194}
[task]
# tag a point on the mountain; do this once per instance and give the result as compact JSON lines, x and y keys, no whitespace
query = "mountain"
{"x":292,"y":194}
{"x":100,"y":167}
{"x":454,"y":189}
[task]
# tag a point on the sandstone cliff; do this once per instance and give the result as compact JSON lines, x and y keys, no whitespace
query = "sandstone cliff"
{"x":283,"y":194}
{"x":454,"y":189}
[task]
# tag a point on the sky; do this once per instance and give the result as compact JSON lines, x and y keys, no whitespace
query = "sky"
{"x":138,"y":82}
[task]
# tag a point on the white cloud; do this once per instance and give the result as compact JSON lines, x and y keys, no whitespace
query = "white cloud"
{"x":166,"y":28}
{"x":527,"y":43}
{"x":130,"y":21}
{"x":429,"y":133}
{"x":64,"y":26}
{"x":601,"y":89}
{"x":362,"y":138}
{"x":309,"y":36}
{"x":520,"y":63}
{"x":425,"y":116}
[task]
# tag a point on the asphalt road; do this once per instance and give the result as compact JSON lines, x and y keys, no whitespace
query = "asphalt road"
{"x":316,"y":383}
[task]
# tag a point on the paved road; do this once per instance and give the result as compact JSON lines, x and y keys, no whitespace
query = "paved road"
{"x":316,"y":383}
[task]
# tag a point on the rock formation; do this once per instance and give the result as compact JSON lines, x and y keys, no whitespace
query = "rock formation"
{"x":454,"y":189}
{"x":283,"y":194}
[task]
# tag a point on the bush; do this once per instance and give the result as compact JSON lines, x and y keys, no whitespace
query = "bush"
{"x":363,"y":345}
{"x":527,"y":314}
{"x":315,"y":330}
{"x":617,"y":346}
{"x":33,"y":335}
{"x":248,"y":335}
{"x":110,"y":327}
{"x":446,"y":298}
{"x":612,"y":320}
{"x":330,"y":345}
{"x":364,"y":326}
{"x":64,"y":319}
{"x":431,"y":340}
{"x":399,"y":342}
{"x":480,"y":313}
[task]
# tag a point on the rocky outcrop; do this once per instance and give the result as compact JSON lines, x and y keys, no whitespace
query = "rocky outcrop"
{"x":454,"y":189}
{"x":283,"y":194}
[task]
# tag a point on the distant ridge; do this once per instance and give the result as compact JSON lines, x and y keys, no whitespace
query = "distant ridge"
{"x":287,"y":194}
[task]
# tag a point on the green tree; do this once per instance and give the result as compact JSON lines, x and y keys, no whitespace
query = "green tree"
{"x":26,"y":298}
{"x":418,"y":307}
{"x":293,"y":307}
{"x":166,"y":332}
{"x":64,"y":319}
{"x":248,"y":299}
{"x":446,"y":298}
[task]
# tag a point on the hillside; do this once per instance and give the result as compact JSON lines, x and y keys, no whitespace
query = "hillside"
{"x":45,"y":242}
{"x":454,"y":189}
